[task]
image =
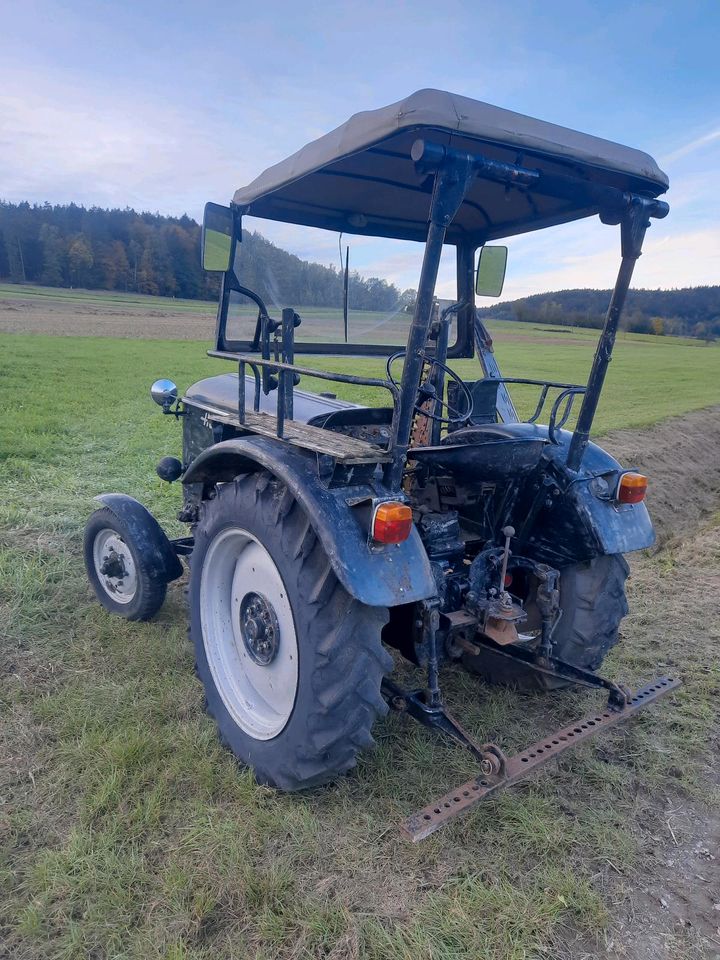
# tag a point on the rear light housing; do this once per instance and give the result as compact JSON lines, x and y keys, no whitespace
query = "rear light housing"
{"x":632,"y":488}
{"x":392,"y":522}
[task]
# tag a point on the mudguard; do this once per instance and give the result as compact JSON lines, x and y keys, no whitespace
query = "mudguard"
{"x":147,"y":534}
{"x":378,"y":575}
{"x":617,"y":527}
{"x":582,"y":520}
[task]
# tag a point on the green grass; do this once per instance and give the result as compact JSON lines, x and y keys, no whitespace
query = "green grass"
{"x":127,"y":832}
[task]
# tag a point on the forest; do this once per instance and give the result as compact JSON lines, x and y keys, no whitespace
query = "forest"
{"x":72,"y":246}
{"x":685,"y":312}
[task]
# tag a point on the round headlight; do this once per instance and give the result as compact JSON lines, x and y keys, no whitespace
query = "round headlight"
{"x":164,"y":392}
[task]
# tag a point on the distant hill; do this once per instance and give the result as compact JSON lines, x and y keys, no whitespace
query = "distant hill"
{"x":687,"y":312}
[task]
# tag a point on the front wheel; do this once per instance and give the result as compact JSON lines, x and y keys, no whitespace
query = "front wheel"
{"x":593,"y":602}
{"x":290,"y":662}
{"x":124,"y":582}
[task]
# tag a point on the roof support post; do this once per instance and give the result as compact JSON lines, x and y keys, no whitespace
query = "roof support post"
{"x":451,"y":184}
{"x":465,"y":271}
{"x":633,"y":225}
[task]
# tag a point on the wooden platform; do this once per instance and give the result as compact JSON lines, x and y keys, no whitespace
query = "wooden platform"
{"x":337,"y":445}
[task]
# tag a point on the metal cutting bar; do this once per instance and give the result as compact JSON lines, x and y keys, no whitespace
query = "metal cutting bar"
{"x":436,"y":815}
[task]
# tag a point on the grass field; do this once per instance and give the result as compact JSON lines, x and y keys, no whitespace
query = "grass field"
{"x":126,"y":831}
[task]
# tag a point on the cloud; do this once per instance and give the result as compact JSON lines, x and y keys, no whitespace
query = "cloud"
{"x":68,"y":139}
{"x":697,"y":144}
{"x":61,"y":142}
{"x":681,"y":260}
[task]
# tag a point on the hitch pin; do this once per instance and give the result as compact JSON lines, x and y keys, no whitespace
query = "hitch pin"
{"x":508,"y":533}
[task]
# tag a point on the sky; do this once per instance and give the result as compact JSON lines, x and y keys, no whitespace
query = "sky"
{"x":161,"y":106}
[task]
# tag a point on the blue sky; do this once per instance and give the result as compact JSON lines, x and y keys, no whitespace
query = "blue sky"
{"x":162,"y":105}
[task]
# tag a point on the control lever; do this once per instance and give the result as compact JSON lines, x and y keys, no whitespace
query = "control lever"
{"x":505,"y":598}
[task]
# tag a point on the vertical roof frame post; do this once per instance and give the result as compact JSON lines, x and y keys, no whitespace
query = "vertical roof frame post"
{"x":465,"y":271}
{"x":453,"y":175}
{"x":634,"y":223}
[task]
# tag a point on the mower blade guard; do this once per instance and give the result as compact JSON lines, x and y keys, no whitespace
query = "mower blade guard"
{"x":436,"y":815}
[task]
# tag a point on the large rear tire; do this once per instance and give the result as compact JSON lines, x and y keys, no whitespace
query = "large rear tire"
{"x":290,"y":662}
{"x":592,"y":598}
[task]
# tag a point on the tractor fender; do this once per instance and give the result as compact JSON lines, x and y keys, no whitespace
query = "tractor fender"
{"x":378,"y":575}
{"x":618,"y":527}
{"x":585,"y":520}
{"x":146,"y":534}
{"x":581,"y":519}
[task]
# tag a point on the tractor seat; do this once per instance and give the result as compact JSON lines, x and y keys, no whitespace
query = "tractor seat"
{"x":484,"y":398}
{"x":491,"y":452}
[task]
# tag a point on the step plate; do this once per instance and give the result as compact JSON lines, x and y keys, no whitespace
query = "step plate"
{"x":436,"y":815}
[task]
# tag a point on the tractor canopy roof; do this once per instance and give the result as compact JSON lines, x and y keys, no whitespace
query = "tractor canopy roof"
{"x":360,"y":178}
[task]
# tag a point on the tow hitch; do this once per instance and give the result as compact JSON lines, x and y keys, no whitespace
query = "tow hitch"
{"x":498,"y":771}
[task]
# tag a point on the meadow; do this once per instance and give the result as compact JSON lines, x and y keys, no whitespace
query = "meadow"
{"x":126,"y":831}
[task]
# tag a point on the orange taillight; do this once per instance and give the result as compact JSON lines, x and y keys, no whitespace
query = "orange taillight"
{"x":392,"y":522}
{"x":632,"y":488}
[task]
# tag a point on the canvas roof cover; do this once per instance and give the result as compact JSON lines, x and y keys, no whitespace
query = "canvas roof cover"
{"x":359,"y":178}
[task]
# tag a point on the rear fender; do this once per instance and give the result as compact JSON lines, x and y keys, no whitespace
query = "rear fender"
{"x":585,"y":520}
{"x":378,"y":575}
{"x":617,"y":527}
{"x":146,"y":534}
{"x":577,"y":517}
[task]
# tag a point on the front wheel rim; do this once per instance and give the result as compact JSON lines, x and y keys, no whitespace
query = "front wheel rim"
{"x":257,"y":684}
{"x":115,"y":566}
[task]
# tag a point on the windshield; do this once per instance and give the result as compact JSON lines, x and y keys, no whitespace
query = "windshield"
{"x":346,"y":289}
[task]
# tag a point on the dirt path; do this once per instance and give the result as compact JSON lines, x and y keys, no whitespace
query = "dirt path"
{"x":94,"y":318}
{"x":668,"y":907}
{"x":671,"y":909}
{"x":681,"y":457}
{"x":77,"y":319}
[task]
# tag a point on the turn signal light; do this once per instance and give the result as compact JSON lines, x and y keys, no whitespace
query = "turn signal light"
{"x":633,"y":487}
{"x":392,"y":522}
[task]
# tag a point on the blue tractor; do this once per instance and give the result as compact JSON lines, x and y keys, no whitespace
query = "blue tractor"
{"x":323,"y":534}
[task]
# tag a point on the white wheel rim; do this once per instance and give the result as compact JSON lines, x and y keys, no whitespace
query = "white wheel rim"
{"x":259,"y":696}
{"x":115,"y":566}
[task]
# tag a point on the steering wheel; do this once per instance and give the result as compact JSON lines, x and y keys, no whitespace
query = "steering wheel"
{"x":427,"y":391}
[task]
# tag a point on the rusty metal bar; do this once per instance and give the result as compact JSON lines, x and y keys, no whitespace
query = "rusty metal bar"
{"x":436,"y":815}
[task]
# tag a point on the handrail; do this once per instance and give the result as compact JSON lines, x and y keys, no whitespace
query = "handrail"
{"x":284,"y":409}
{"x":306,"y":371}
{"x":568,"y":392}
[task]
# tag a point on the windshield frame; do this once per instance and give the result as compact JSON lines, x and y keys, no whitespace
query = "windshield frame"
{"x":462,"y":348}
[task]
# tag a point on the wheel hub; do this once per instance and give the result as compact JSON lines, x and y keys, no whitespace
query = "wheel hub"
{"x":115,"y":566}
{"x":259,"y":628}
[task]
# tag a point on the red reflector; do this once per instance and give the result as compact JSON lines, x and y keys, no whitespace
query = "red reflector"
{"x":632,"y":488}
{"x":508,"y":579}
{"x":392,"y":522}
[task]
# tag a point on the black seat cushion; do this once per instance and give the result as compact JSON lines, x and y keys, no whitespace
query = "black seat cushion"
{"x":484,"y":397}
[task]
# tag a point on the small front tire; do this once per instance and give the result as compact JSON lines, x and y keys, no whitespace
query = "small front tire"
{"x":123,"y":581}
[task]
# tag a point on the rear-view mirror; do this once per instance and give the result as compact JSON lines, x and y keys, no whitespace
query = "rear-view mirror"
{"x":491,"y":271}
{"x":217,"y":237}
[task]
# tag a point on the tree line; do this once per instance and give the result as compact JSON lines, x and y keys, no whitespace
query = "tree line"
{"x":66,"y":245}
{"x":685,"y":312}
{"x":74,"y":246}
